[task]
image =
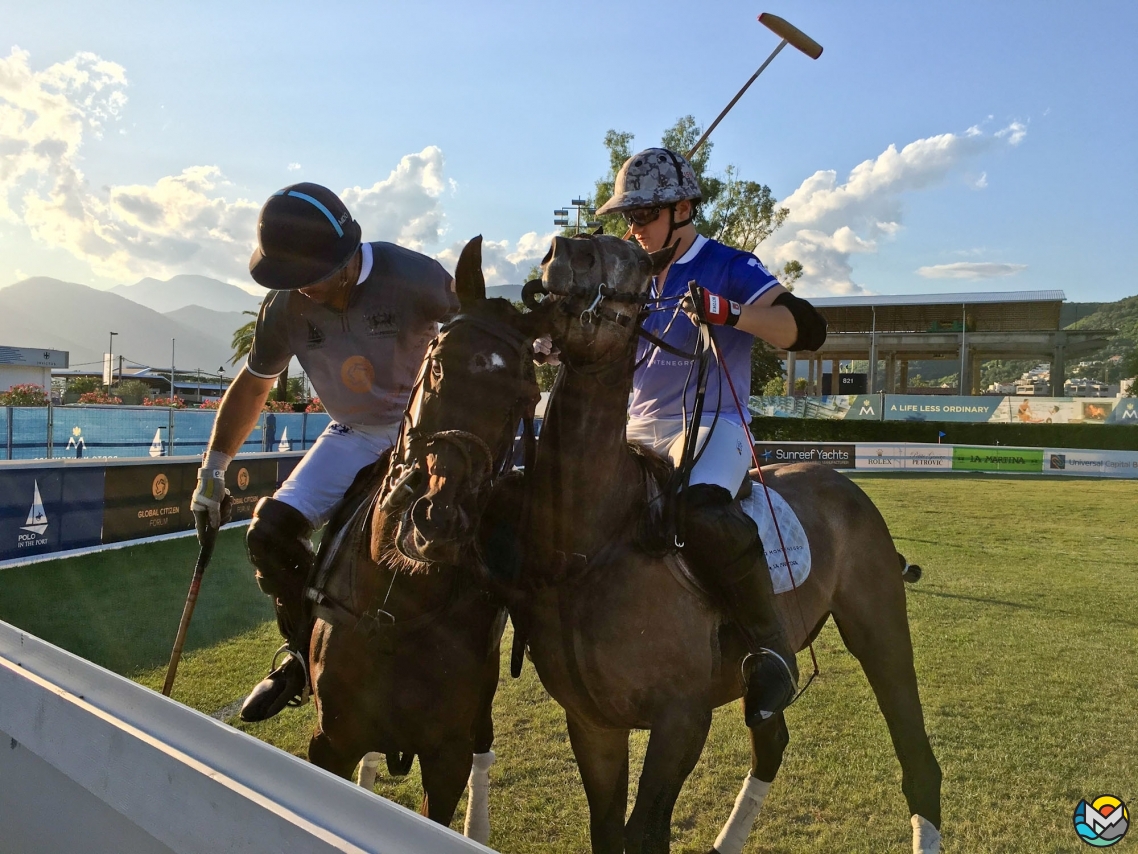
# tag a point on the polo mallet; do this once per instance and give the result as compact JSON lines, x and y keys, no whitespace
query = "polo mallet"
{"x":208,"y":537}
{"x":790,"y":35}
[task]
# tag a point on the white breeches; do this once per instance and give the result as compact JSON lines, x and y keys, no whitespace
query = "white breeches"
{"x":330,"y":466}
{"x":725,"y":458}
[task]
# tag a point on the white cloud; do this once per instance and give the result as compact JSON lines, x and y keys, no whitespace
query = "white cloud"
{"x":831,"y":221}
{"x":981,"y":182}
{"x":970,"y":270}
{"x":503,"y":263}
{"x":1014,"y":133}
{"x":181,"y":223}
{"x":404,"y":207}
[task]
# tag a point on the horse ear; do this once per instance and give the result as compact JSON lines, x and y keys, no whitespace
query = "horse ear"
{"x":600,"y":230}
{"x":469,"y":283}
{"x":660,"y":260}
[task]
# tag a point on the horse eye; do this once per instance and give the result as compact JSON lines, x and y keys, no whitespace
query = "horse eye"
{"x":436,"y":371}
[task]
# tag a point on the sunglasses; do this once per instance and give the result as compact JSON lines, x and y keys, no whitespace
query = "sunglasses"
{"x":642,"y":216}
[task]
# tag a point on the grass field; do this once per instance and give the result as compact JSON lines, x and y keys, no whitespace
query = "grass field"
{"x":1025,"y":640}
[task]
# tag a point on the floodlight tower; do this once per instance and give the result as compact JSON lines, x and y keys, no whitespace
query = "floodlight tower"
{"x":584,"y":216}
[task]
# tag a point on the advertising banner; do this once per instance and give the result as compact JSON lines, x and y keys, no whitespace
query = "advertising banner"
{"x":48,"y":510}
{"x":928,"y":407}
{"x":837,"y":456}
{"x":248,"y":482}
{"x":1125,"y":412}
{"x":919,"y":407}
{"x":145,"y":500}
{"x":880,"y":457}
{"x":1065,"y":461}
{"x":834,"y":407}
{"x":966,"y":458}
{"x":904,"y":457}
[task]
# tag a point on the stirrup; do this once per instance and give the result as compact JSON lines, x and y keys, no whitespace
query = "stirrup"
{"x":306,"y":691}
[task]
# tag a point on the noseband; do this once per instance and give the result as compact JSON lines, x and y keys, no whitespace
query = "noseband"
{"x":484,"y":466}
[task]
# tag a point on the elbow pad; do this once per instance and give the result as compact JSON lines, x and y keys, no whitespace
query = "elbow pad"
{"x":808,"y":322}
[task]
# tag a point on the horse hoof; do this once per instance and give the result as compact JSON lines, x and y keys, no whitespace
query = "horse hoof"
{"x":912,"y":573}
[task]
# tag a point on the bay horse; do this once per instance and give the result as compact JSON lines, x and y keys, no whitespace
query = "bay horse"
{"x":620,"y":637}
{"x":405,"y":648}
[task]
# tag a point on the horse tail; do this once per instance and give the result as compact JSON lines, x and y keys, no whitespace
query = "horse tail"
{"x":909,"y":571}
{"x":399,"y":764}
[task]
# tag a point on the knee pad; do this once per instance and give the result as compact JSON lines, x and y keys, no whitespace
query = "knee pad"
{"x":716,"y":527}
{"x":707,"y":495}
{"x":278,"y":546}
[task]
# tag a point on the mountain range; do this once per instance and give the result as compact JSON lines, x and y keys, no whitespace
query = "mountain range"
{"x":198,"y":313}
{"x":43,"y":312}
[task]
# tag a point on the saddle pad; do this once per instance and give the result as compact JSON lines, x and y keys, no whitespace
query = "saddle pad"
{"x":793,"y":536}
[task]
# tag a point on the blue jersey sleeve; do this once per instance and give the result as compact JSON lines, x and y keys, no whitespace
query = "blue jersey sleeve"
{"x":748,"y":279}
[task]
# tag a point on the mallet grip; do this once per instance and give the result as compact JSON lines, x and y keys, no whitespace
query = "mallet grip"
{"x":794,"y":36}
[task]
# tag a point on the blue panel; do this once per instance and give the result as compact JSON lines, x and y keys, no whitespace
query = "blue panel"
{"x":68,"y":515}
{"x":29,"y":432}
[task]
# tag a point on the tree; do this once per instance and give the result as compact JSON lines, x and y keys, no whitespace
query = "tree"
{"x":1129,"y":368}
{"x":81,"y":385}
{"x":765,"y":367}
{"x":242,"y":343}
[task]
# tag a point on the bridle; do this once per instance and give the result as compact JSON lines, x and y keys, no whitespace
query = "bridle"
{"x":484,"y":465}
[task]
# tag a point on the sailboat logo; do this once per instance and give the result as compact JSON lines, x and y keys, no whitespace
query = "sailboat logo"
{"x":37,"y":518}
{"x":157,"y":449}
{"x":284,"y":444}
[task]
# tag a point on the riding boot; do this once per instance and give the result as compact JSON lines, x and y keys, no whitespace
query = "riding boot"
{"x":280,"y":550}
{"x":722,"y":545}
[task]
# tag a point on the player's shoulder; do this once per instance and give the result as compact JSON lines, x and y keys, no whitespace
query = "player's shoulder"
{"x":393,"y":259}
{"x":275,"y":305}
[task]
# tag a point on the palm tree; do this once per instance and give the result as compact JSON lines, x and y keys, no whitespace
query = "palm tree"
{"x":242,"y":343}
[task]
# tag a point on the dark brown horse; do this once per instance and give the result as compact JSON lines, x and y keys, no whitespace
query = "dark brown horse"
{"x":405,"y":650}
{"x":619,"y":636}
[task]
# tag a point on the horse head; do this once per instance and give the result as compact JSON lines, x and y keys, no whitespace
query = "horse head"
{"x":476,"y":384}
{"x":599,"y":283}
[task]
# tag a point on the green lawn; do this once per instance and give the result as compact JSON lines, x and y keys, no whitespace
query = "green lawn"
{"x":1025,"y":643}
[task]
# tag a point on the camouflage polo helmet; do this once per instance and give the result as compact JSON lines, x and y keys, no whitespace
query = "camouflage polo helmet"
{"x":654,"y":177}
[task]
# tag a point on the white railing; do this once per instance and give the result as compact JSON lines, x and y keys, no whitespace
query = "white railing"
{"x":91,"y":761}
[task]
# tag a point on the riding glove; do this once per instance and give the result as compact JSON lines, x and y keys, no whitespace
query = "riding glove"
{"x":211,"y":498}
{"x":712,"y":308}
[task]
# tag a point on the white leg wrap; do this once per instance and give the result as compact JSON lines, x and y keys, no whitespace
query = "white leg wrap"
{"x":926,"y":838}
{"x":477,"y":826}
{"x":734,"y":834}
{"x":368,"y":767}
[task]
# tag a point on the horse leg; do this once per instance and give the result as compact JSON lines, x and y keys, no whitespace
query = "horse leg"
{"x":477,"y":824}
{"x":877,"y":633}
{"x":602,"y":757}
{"x":444,"y":772}
{"x":324,"y":754}
{"x":674,"y":746}
{"x":768,"y":742}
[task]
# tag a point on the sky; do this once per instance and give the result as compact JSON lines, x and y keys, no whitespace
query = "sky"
{"x":933,"y":147}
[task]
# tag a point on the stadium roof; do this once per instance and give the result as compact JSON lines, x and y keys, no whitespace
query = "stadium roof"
{"x":987,"y":311}
{"x":976,"y":298}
